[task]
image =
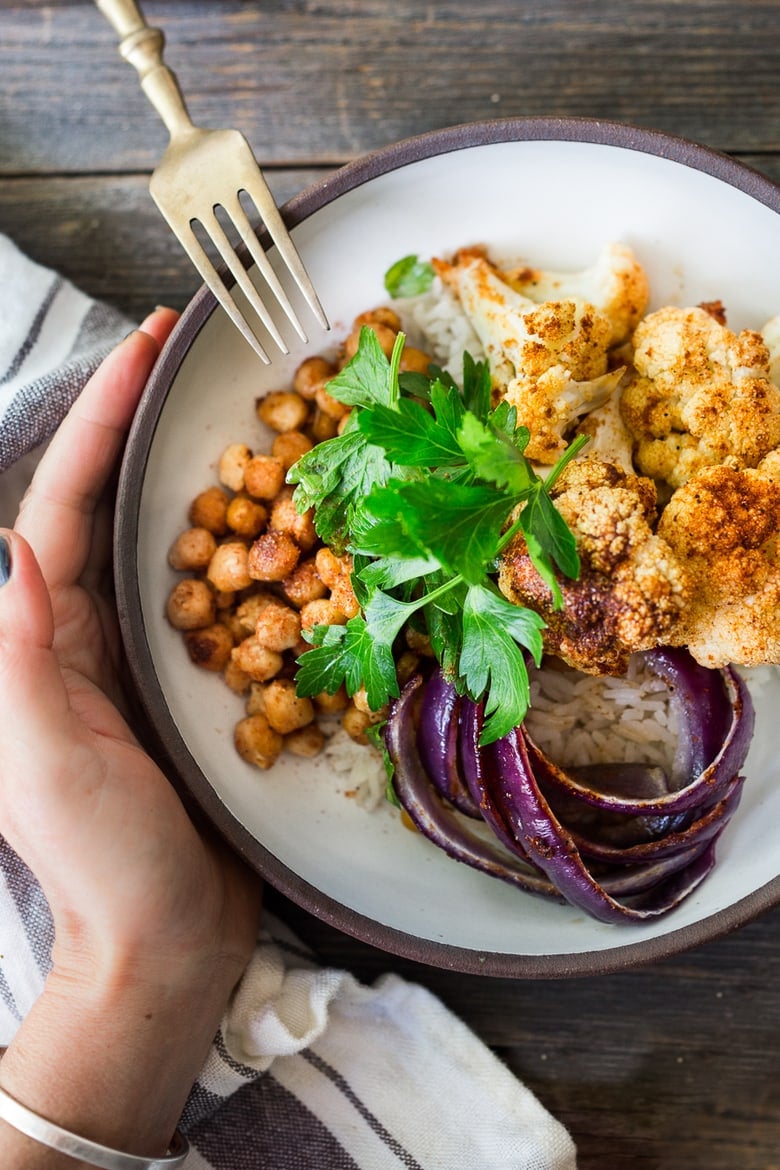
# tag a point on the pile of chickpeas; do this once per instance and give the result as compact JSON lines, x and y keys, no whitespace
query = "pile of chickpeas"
{"x":255,"y":574}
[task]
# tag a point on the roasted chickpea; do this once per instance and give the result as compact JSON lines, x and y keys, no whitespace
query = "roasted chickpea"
{"x":310,"y":374}
{"x":232,"y":463}
{"x":330,"y":567}
{"x":330,"y":405}
{"x":256,"y":660}
{"x":192,"y":550}
{"x":283,"y":410}
{"x":418,"y":642}
{"x":236,"y":678}
{"x":406,"y":666}
{"x":257,"y":742}
{"x":209,"y":510}
{"x":278,"y":626}
{"x":360,"y":699}
{"x":284,"y":709}
{"x":300,"y":647}
{"x":255,"y":701}
{"x":414,"y":360}
{"x":228,"y":568}
{"x":304,"y":584}
{"x":210,"y":648}
{"x":306,"y":741}
{"x":327,"y":704}
{"x":323,"y":427}
{"x":381,"y":315}
{"x":228,"y":617}
{"x":355,"y":723}
{"x":321,"y":613}
{"x":251,"y":607}
{"x":290,"y":446}
{"x":273,"y":556}
{"x":246,"y":517}
{"x":190,"y":605}
{"x":342,"y":595}
{"x":384,"y":335}
{"x":264,"y":477}
{"x":285,"y":517}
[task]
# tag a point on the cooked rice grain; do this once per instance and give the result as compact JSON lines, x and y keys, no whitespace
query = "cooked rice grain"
{"x":581,"y":719}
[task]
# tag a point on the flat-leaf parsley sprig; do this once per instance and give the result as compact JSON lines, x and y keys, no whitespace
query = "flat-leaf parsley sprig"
{"x":424,"y":487}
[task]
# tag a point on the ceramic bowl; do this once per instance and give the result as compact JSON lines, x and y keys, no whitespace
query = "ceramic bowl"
{"x":552,"y":192}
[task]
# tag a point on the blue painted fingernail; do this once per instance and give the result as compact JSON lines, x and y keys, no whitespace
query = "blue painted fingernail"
{"x":5,"y":560}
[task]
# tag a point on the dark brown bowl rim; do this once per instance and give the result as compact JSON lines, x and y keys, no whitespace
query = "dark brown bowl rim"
{"x":165,"y":737}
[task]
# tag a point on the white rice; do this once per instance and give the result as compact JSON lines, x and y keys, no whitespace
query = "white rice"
{"x":436,"y":323}
{"x":579,"y":719}
{"x":360,"y":769}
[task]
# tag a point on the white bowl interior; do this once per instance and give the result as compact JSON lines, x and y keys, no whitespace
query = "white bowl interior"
{"x":554,"y":204}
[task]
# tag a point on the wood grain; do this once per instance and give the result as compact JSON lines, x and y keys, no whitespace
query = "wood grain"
{"x":670,"y":1067}
{"x":318,"y":82}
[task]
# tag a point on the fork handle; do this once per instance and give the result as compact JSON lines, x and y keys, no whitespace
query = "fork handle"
{"x":142,"y":46}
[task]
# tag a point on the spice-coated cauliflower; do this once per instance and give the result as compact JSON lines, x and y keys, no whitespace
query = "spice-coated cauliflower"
{"x":700,"y":396}
{"x":549,"y":360}
{"x":632,"y":587}
{"x":610,"y":438}
{"x":616,"y":284}
{"x":724,"y":526}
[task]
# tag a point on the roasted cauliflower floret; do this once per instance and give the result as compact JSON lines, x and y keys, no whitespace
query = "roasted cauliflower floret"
{"x":616,"y":285}
{"x":700,"y":396}
{"x":724,"y":526}
{"x":771,"y":337}
{"x":632,"y":587}
{"x":610,"y":438}
{"x":548,"y":360}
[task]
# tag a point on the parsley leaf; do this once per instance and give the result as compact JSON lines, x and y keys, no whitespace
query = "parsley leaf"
{"x":333,"y":478}
{"x":350,"y":655}
{"x":542,"y":521}
{"x":409,"y":277}
{"x":457,"y":523}
{"x":410,"y":434}
{"x":495,"y":457}
{"x":491,"y":661}
{"x":424,"y":487}
{"x":367,"y":377}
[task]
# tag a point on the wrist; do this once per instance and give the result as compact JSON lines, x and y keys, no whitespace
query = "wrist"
{"x":112,"y":1059}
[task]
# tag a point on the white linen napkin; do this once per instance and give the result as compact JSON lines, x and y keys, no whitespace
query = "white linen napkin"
{"x":310,"y":1068}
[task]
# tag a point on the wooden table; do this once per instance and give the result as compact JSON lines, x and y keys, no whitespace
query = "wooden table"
{"x":667,"y":1067}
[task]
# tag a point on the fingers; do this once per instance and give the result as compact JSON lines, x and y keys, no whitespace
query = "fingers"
{"x":57,"y":512}
{"x":34,"y":698}
{"x":50,"y":773}
{"x":159,"y":324}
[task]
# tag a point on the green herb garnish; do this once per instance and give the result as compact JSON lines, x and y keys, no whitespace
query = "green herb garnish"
{"x":425,"y":487}
{"x":409,"y":277}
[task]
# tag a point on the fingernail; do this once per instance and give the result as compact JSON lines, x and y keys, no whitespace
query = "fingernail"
{"x":5,"y":561}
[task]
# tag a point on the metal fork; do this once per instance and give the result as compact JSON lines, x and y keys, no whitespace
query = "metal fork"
{"x":203,"y":170}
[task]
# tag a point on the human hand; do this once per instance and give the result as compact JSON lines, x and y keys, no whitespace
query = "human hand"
{"x":148,"y":913}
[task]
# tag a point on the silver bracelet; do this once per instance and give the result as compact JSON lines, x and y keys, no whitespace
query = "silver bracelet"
{"x":57,"y":1138}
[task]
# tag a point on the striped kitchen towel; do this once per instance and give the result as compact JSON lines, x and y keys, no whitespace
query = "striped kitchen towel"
{"x":310,"y":1068}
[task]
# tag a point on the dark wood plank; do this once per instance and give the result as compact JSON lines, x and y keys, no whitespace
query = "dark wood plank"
{"x":106,"y":235}
{"x":318,"y":83}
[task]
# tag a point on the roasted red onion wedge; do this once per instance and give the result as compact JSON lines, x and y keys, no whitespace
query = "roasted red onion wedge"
{"x":437,"y":740}
{"x":625,"y":843}
{"x":434,"y":819}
